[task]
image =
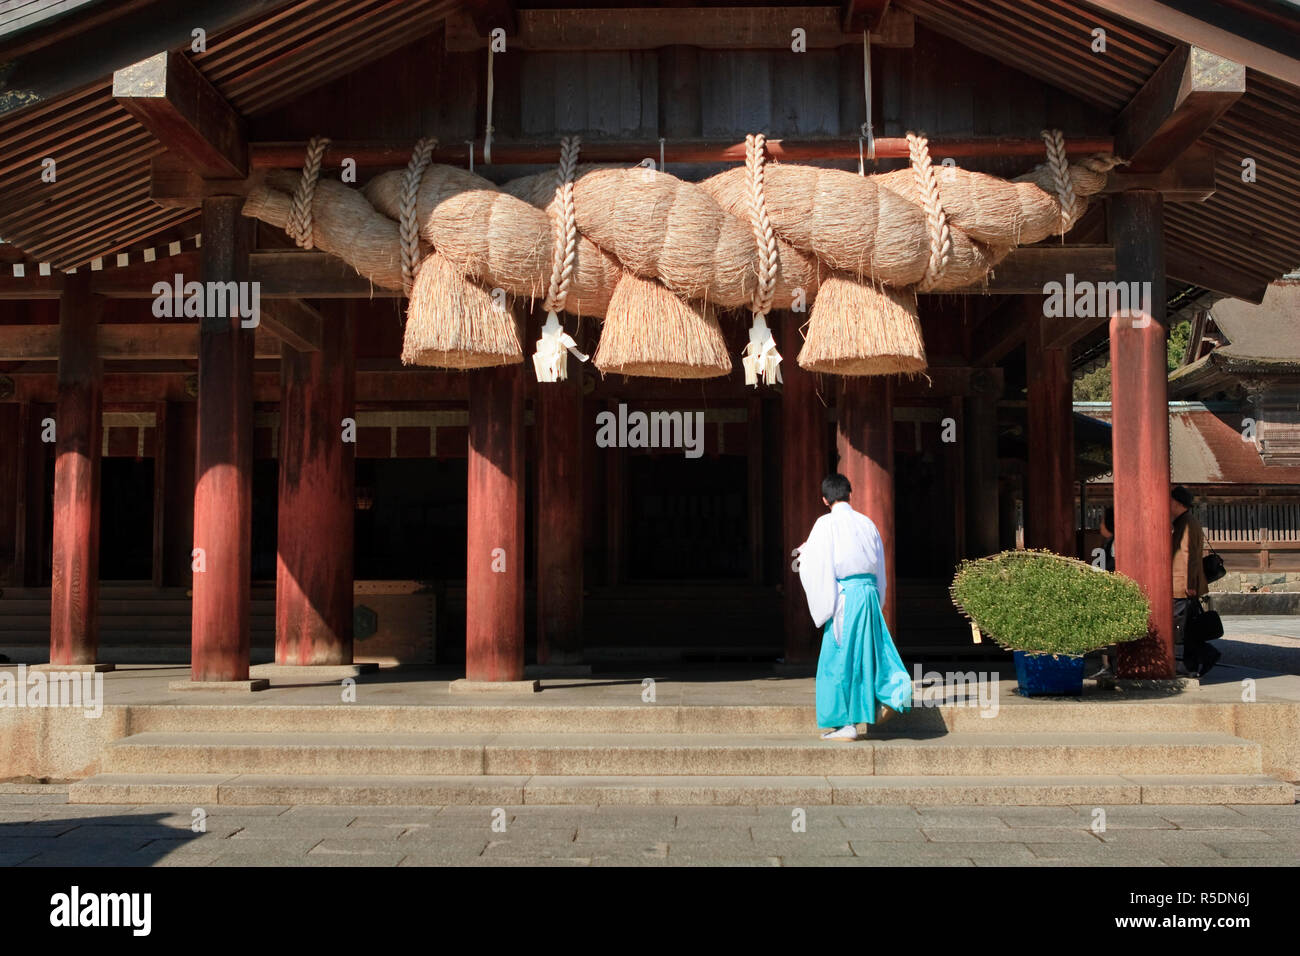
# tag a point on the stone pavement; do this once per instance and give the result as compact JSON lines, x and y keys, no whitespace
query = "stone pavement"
{"x":39,"y":828}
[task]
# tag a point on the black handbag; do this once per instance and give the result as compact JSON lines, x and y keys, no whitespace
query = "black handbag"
{"x":1202,"y":625}
{"x":1213,"y":566}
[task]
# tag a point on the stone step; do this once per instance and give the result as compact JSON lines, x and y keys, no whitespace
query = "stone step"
{"x":212,"y":789}
{"x":680,"y":754}
{"x":505,"y":716}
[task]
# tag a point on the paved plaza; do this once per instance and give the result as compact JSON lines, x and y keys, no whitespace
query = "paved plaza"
{"x":39,"y":828}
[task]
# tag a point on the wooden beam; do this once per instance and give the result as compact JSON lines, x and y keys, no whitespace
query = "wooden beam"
{"x":1028,"y":269}
{"x":185,"y":113}
{"x":375,"y":154}
{"x":1188,"y":178}
{"x":489,"y":15}
{"x":152,"y":341}
{"x":1183,"y":99}
{"x":1186,"y":265}
{"x":862,"y":15}
{"x":718,"y":28}
{"x":1227,"y":39}
{"x":294,"y":323}
{"x":174,"y":183}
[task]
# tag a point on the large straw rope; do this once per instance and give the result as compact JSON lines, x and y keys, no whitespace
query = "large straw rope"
{"x":907,"y":229}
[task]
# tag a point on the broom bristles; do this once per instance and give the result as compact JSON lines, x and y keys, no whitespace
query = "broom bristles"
{"x":452,"y":322}
{"x":650,"y":331}
{"x":859,"y":329}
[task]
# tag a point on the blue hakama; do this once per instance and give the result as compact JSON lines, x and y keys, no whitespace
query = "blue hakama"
{"x":864,"y":668}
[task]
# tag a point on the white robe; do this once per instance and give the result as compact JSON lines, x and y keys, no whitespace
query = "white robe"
{"x":841,"y":543}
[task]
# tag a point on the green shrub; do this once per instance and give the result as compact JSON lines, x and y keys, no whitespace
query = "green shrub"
{"x":1041,"y":602}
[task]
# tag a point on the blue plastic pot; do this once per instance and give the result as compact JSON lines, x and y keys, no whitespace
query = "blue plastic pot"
{"x":1044,"y":674}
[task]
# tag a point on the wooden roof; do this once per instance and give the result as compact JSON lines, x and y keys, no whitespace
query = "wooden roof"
{"x":1243,"y":237}
{"x":102,"y":152}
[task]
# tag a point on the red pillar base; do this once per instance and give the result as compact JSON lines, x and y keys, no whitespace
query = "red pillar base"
{"x":313,"y":589}
{"x":803,"y":466}
{"x":494,"y":572}
{"x":865,"y":442}
{"x":74,"y":588}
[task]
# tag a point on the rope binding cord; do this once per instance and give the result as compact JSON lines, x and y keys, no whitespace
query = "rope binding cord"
{"x":408,"y":227}
{"x":927,"y":185}
{"x":299,"y":226}
{"x":1060,"y":169}
{"x":761,"y":360}
{"x":488,"y":129}
{"x":867,"y":131}
{"x":550,"y":360}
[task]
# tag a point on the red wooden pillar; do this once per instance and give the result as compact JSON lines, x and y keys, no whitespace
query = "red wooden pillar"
{"x":314,"y":537}
{"x":494,"y":569}
{"x":1140,"y":430}
{"x":74,"y":589}
{"x":803,"y":466}
{"x":559,"y":519}
{"x":865,"y":442}
{"x":1049,"y":517}
{"x":223,"y":492}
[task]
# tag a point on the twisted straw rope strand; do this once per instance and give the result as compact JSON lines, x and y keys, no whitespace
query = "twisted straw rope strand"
{"x":408,"y":225}
{"x":764,"y":234}
{"x":1059,"y":166}
{"x":927,"y":185}
{"x":566,"y":227}
{"x":299,"y":226}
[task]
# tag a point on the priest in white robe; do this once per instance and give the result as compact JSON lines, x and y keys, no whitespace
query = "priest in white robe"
{"x":842,"y":567}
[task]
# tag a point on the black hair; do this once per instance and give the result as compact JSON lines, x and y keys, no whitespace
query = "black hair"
{"x":836,"y":488}
{"x":1109,"y":519}
{"x":1183,"y":496}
